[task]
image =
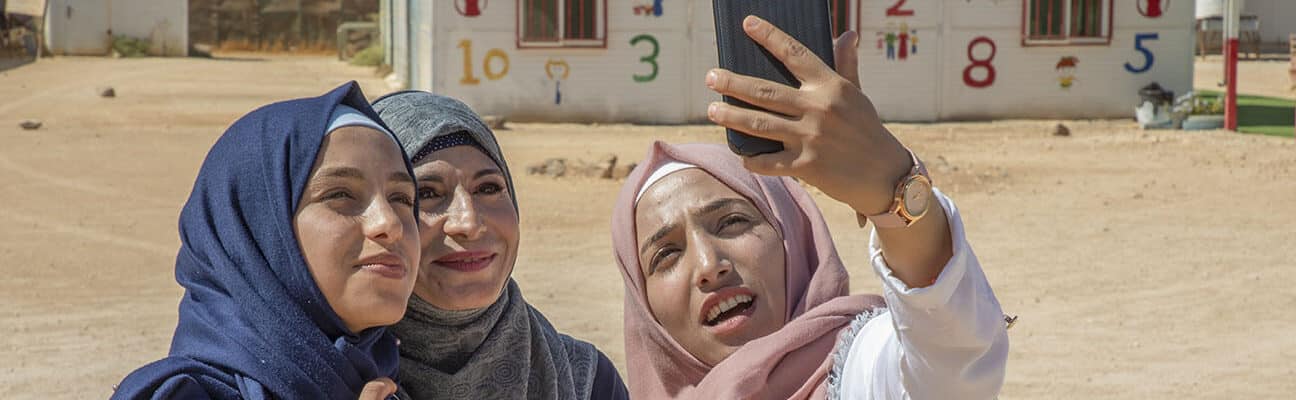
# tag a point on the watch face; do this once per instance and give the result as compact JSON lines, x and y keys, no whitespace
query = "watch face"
{"x":917,"y":196}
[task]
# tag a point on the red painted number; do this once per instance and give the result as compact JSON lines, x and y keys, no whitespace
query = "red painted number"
{"x":895,"y":10}
{"x":982,"y":63}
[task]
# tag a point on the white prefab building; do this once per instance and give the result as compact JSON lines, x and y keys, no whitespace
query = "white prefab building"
{"x":920,"y":60}
{"x":87,"y":27}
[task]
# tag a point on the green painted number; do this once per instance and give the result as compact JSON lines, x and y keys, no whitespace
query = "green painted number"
{"x":650,"y":59}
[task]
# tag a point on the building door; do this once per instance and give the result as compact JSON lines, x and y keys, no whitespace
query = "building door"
{"x":82,"y":26}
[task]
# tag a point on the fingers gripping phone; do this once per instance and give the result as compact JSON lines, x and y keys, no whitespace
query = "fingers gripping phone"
{"x":808,"y":21}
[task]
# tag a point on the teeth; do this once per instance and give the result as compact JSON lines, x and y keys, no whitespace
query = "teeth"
{"x":727,"y":305}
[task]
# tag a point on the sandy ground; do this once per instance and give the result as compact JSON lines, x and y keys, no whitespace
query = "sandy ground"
{"x":1142,"y":264}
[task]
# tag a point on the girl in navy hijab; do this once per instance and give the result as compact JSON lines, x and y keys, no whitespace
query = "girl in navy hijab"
{"x":298,"y":246}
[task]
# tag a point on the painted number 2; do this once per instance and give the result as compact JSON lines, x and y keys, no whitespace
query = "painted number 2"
{"x":650,"y":59}
{"x":897,"y":11}
{"x":487,"y":64}
{"x":982,"y":63}
{"x":1148,"y":58}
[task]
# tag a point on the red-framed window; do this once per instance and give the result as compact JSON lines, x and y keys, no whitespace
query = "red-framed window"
{"x":562,"y":23}
{"x":1066,"y":22}
{"x":841,"y":12}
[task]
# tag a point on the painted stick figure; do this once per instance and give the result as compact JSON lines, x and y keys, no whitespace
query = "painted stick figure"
{"x":913,"y":41}
{"x":890,"y":45}
{"x":557,"y":71}
{"x":904,"y":40}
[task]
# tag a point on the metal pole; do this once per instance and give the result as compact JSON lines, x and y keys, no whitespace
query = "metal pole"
{"x":1231,"y":18}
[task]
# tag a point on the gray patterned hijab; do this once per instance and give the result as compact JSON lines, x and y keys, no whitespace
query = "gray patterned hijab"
{"x":507,"y":350}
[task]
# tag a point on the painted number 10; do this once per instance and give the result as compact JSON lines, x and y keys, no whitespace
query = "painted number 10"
{"x":488,"y":67}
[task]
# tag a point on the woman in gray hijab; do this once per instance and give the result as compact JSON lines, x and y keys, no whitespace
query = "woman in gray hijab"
{"x":468,"y":333}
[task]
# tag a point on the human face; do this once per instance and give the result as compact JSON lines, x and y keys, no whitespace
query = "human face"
{"x":713,"y":265}
{"x":356,"y":227}
{"x":468,"y":226}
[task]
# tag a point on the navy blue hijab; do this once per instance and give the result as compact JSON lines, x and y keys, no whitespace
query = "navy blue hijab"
{"x":253,"y":324}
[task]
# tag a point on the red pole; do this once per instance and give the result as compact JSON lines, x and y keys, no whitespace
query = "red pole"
{"x":1230,"y":99}
{"x":1230,"y":65}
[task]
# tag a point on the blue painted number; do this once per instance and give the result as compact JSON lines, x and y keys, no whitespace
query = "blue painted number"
{"x":1148,"y":58}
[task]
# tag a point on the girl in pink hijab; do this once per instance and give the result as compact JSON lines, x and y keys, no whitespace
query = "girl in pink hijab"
{"x":734,"y":289}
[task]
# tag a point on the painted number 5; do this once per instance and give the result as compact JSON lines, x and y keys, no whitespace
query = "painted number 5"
{"x":650,"y":59}
{"x":1148,"y":59}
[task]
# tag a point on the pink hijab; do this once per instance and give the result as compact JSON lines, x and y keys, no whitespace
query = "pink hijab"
{"x":791,"y":363}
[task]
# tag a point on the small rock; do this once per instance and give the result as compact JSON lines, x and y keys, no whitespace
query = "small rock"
{"x":553,"y":167}
{"x":494,"y":122}
{"x":1061,"y":130}
{"x":604,"y":166}
{"x":1138,"y":196}
{"x":623,"y":171}
{"x":107,"y":91}
{"x":30,"y":124}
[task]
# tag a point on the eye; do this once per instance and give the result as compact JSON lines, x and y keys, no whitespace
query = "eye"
{"x":427,"y":193}
{"x":401,"y":198}
{"x":338,"y":194}
{"x":489,"y":188}
{"x":663,"y":260}
{"x":733,"y":223}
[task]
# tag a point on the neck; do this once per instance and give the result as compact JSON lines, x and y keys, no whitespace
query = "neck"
{"x":446,"y":339}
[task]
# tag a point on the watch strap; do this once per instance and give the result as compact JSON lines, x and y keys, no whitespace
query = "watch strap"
{"x":892,"y":218}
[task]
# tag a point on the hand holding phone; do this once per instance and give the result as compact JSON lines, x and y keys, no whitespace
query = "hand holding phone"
{"x":808,"y":22}
{"x":830,"y":131}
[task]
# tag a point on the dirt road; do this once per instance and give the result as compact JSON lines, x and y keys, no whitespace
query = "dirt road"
{"x":1143,"y":265}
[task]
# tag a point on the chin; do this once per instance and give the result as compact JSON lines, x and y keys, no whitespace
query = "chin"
{"x":450,"y":289}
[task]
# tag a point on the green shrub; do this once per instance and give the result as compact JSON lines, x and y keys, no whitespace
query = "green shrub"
{"x":130,"y":47}
{"x":369,"y":57}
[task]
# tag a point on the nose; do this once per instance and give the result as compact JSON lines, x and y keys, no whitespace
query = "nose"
{"x":713,"y":270}
{"x":382,"y":224}
{"x":462,"y":220}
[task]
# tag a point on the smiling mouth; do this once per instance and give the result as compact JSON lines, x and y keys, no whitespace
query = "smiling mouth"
{"x":740,"y":305}
{"x":466,"y":261}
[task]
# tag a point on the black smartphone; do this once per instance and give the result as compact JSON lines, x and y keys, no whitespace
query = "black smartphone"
{"x":809,"y":21}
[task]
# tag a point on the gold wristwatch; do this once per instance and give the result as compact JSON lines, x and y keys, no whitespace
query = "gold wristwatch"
{"x":913,"y":197}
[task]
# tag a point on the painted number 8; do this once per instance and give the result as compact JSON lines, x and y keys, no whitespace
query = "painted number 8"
{"x":983,"y":63}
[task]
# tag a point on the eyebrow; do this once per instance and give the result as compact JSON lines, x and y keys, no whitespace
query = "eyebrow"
{"x":718,"y":204}
{"x":401,"y":177}
{"x":487,"y":171}
{"x":661,"y":233}
{"x":341,"y":172}
{"x":478,"y":175}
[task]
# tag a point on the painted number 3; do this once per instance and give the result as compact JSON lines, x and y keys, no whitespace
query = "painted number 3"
{"x":982,"y":63}
{"x":650,"y":59}
{"x":1148,"y":59}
